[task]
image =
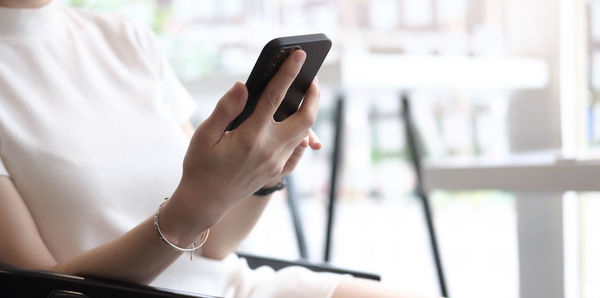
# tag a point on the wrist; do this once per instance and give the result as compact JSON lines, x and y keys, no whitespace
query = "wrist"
{"x":268,"y":190}
{"x":274,"y":182}
{"x":182,"y":222}
{"x":178,"y":241}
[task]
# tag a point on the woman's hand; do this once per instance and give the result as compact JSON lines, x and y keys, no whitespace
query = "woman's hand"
{"x":221,"y":168}
{"x":315,"y":144}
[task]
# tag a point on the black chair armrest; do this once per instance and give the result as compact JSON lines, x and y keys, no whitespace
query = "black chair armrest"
{"x":257,"y":261}
{"x":25,"y":283}
{"x":15,"y":282}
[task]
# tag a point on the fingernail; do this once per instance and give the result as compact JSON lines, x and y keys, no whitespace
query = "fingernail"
{"x":299,"y":56}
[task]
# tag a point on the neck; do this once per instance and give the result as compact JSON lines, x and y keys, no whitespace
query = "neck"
{"x":23,"y":3}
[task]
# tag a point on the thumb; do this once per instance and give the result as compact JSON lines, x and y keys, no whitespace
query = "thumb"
{"x":228,"y":107}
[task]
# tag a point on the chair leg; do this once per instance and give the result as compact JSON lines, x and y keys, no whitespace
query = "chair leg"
{"x":415,"y":157}
{"x":339,"y":124}
{"x":292,"y":203}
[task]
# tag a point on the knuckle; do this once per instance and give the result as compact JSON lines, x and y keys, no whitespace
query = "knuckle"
{"x":307,"y":121}
{"x":290,"y":73}
{"x":272,"y":97}
{"x":201,"y":134}
{"x":222,"y":110}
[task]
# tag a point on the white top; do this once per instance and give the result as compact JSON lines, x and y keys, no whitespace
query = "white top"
{"x":90,"y":119}
{"x":90,"y":115}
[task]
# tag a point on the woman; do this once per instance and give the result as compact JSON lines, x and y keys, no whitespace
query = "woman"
{"x":93,"y":130}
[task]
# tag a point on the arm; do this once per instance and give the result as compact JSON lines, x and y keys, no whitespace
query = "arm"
{"x":216,"y":176}
{"x":235,"y":226}
{"x":126,"y":258}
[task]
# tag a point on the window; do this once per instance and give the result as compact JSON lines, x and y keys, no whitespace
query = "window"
{"x":496,"y":91}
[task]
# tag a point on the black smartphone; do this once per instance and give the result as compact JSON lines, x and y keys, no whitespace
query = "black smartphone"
{"x":270,"y":59}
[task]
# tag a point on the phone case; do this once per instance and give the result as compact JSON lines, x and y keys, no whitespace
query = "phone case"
{"x":270,"y":59}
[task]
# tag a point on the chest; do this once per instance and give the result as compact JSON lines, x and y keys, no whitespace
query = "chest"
{"x":77,"y":97}
{"x":76,"y":114}
{"x":87,"y":138}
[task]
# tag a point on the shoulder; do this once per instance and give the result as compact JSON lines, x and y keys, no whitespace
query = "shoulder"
{"x":113,"y":28}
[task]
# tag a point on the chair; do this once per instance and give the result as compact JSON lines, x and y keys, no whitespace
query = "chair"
{"x":415,"y":159}
{"x":24,"y":283}
{"x":255,"y":261}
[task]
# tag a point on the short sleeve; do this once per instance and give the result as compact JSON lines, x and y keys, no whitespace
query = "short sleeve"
{"x":175,"y":96}
{"x":3,"y":170}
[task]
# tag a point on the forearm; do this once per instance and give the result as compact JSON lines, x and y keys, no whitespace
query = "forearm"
{"x":137,"y":256}
{"x":234,"y":227}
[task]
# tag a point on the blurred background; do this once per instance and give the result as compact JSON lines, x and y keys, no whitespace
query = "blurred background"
{"x":505,"y":95}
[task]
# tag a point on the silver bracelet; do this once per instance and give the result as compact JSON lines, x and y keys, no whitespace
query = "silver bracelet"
{"x":162,"y":237}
